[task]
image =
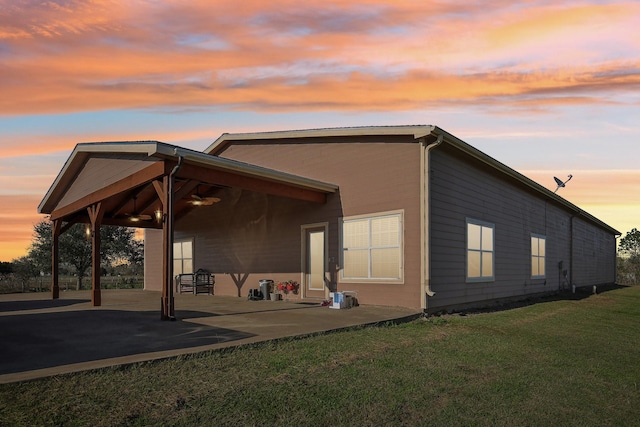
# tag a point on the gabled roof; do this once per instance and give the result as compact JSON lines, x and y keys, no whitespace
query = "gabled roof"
{"x":426,"y":134}
{"x":150,"y":160}
{"x":506,"y":170}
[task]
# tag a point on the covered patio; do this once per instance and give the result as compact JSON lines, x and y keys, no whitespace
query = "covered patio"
{"x":125,"y":329}
{"x":152,"y":185}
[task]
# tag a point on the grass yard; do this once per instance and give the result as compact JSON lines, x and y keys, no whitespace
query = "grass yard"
{"x":565,"y":362}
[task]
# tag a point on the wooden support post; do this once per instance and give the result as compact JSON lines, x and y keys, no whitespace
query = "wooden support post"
{"x":95,"y":216}
{"x":164,"y":191}
{"x":55,"y":256}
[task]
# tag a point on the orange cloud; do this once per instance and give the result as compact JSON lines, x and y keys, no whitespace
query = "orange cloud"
{"x":30,"y":184}
{"x":358,"y":91}
{"x":17,"y":217}
{"x":37,"y":144}
{"x":34,"y":144}
{"x":375,"y":54}
{"x":24,"y":21}
{"x":558,"y":19}
{"x":610,"y":195}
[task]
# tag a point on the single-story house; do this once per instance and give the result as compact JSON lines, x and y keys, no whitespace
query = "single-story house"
{"x":401,"y":215}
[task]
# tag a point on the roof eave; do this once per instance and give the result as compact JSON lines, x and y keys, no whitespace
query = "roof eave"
{"x":253,"y":170}
{"x":416,"y":131}
{"x":474,"y":152}
{"x":81,"y":150}
{"x":168,"y":151}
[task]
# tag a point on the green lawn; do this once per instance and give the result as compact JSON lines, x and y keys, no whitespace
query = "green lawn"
{"x":565,"y":362}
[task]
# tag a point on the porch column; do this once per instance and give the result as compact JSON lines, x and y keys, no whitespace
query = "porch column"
{"x":165,"y":194}
{"x":95,"y":216}
{"x":55,"y":257}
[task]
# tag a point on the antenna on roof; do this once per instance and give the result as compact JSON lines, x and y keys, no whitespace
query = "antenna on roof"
{"x":560,"y":183}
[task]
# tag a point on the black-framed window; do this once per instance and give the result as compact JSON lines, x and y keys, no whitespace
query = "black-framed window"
{"x":538,"y":256}
{"x":480,"y":251}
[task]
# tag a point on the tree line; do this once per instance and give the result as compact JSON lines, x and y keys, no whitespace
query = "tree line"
{"x":629,"y":258}
{"x":120,"y":252}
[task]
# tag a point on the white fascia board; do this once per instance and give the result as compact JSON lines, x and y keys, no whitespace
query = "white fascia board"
{"x":417,"y":131}
{"x":165,"y":151}
{"x":82,"y":150}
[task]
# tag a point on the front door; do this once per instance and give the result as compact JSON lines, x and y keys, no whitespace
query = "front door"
{"x":314,"y":261}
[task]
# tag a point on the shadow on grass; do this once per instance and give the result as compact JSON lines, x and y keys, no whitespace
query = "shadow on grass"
{"x":508,"y":304}
{"x":37,"y":341}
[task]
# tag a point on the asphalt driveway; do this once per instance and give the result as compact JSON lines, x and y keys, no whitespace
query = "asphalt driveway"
{"x":42,"y":337}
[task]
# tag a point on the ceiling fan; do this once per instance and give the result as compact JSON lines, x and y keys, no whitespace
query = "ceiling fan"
{"x":198,"y":200}
{"x":135,"y":216}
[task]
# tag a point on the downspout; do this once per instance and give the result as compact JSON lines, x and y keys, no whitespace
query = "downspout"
{"x":425,"y":223}
{"x":171,"y":307}
{"x":571,"y":253}
{"x":615,"y":259}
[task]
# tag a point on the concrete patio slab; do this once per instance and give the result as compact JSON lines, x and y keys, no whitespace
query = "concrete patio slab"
{"x":42,"y":337}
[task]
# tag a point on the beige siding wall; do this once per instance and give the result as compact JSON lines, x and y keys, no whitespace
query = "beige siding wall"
{"x":101,"y":171}
{"x":249,"y":236}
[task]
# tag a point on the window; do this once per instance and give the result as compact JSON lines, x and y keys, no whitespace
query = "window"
{"x":480,"y":250}
{"x":183,"y":257}
{"x":538,"y":251}
{"x":372,"y":248}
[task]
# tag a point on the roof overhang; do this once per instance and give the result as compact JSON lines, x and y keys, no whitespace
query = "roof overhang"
{"x":426,"y":134}
{"x":527,"y":182}
{"x":414,"y":131}
{"x":149,"y":162}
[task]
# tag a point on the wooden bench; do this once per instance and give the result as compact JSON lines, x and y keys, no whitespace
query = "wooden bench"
{"x":199,"y":282}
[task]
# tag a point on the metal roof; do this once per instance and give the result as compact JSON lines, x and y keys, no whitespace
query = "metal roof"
{"x":474,"y":152}
{"x":164,"y":151}
{"x":418,"y":132}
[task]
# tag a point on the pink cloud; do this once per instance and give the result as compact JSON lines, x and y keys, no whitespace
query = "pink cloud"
{"x":39,"y":144}
{"x":358,"y":91}
{"x":557,"y":22}
{"x":375,"y":54}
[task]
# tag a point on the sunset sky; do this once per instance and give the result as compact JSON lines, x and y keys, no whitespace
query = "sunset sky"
{"x":547,"y":87}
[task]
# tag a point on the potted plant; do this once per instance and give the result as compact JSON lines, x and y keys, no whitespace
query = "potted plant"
{"x":292,"y":286}
{"x":287,"y":287}
{"x":274,"y":295}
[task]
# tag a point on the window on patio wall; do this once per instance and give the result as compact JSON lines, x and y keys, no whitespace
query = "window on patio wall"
{"x":183,"y":257}
{"x":372,"y":248}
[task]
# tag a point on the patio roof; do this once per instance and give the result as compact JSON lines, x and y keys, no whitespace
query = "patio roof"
{"x":117,"y":173}
{"x":150,"y":184}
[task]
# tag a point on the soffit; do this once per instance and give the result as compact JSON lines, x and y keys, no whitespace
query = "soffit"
{"x":124,"y":177}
